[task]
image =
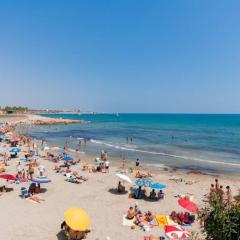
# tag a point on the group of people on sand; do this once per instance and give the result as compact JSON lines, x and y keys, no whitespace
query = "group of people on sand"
{"x":217,"y":191}
{"x":140,"y":219}
{"x":182,"y":218}
{"x":25,"y":175}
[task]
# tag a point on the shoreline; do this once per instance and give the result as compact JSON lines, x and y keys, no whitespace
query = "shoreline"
{"x":32,"y":119}
{"x":36,"y":119}
{"x":106,"y":209}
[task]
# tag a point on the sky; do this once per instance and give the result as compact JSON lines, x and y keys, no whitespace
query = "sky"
{"x":121,"y":56}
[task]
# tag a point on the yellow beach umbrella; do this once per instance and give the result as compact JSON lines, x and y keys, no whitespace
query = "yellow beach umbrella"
{"x":77,"y":219}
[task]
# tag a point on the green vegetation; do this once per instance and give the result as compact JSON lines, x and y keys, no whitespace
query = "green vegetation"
{"x":221,"y":221}
{"x":14,"y":109}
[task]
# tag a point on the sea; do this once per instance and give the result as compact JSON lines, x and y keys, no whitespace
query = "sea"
{"x":196,"y":142}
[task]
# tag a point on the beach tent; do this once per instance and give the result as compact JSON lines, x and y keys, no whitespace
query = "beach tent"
{"x":77,"y":219}
{"x":177,"y":232}
{"x":188,"y":204}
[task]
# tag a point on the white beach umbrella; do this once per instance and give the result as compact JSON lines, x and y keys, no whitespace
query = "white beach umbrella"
{"x":124,"y":177}
{"x":41,"y":168}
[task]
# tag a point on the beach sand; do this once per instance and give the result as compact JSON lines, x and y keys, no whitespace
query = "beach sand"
{"x":24,"y":220}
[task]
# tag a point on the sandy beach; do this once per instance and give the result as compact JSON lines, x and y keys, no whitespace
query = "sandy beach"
{"x":29,"y":220}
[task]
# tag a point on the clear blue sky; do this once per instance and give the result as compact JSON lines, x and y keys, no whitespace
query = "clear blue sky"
{"x":121,"y":56}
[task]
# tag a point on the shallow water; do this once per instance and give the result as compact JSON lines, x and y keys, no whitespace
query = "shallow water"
{"x":191,"y":141}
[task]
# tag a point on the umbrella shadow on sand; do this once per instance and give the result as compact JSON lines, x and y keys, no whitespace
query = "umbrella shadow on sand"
{"x":116,"y":192}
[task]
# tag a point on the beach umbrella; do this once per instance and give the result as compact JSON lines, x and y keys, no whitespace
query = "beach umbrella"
{"x":177,"y":232}
{"x":8,"y":177}
{"x":67,"y":159}
{"x":14,"y":139}
{"x":46,"y":148}
{"x":15,"y":150}
{"x":77,"y":219}
{"x":40,"y":181}
{"x":188,"y":204}
{"x":157,"y":186}
{"x":61,"y":151}
{"x":124,"y":177}
{"x":41,"y":168}
{"x":144,"y":182}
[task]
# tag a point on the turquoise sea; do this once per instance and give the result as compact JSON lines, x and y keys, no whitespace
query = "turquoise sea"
{"x":205,"y":142}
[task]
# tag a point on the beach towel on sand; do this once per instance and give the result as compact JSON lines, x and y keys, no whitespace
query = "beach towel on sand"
{"x":170,"y":221}
{"x":127,"y":222}
{"x":161,"y":220}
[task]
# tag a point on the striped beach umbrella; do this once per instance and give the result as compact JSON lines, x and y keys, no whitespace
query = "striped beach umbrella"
{"x":177,"y":232}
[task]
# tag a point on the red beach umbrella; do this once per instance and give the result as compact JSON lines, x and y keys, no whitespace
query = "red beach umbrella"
{"x":14,"y":139}
{"x":188,"y":204}
{"x":177,"y":232}
{"x":8,"y":177}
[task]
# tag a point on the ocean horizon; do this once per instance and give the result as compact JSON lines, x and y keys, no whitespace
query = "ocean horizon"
{"x":202,"y":142}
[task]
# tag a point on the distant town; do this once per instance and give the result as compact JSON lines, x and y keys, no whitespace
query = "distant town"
{"x":26,"y":110}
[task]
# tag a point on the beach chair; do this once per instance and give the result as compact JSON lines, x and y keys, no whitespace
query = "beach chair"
{"x":24,"y":192}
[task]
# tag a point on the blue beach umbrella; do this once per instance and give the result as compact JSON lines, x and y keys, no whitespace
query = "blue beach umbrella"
{"x":61,"y":151}
{"x":67,"y":159}
{"x":157,"y":186}
{"x":143,"y":182}
{"x":15,"y":150}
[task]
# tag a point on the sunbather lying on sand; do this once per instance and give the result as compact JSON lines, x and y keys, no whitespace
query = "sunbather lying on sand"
{"x":36,"y":199}
{"x":142,"y":175}
{"x":151,"y":237}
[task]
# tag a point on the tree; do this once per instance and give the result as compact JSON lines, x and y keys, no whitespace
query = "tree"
{"x":221,"y":221}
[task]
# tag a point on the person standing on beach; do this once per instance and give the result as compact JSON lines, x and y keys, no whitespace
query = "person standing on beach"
{"x":137,"y":163}
{"x":80,"y":143}
{"x":126,"y":139}
{"x":123,"y":163}
{"x":107,"y":166}
{"x":229,"y":195}
{"x":220,"y":193}
{"x":216,"y":184}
